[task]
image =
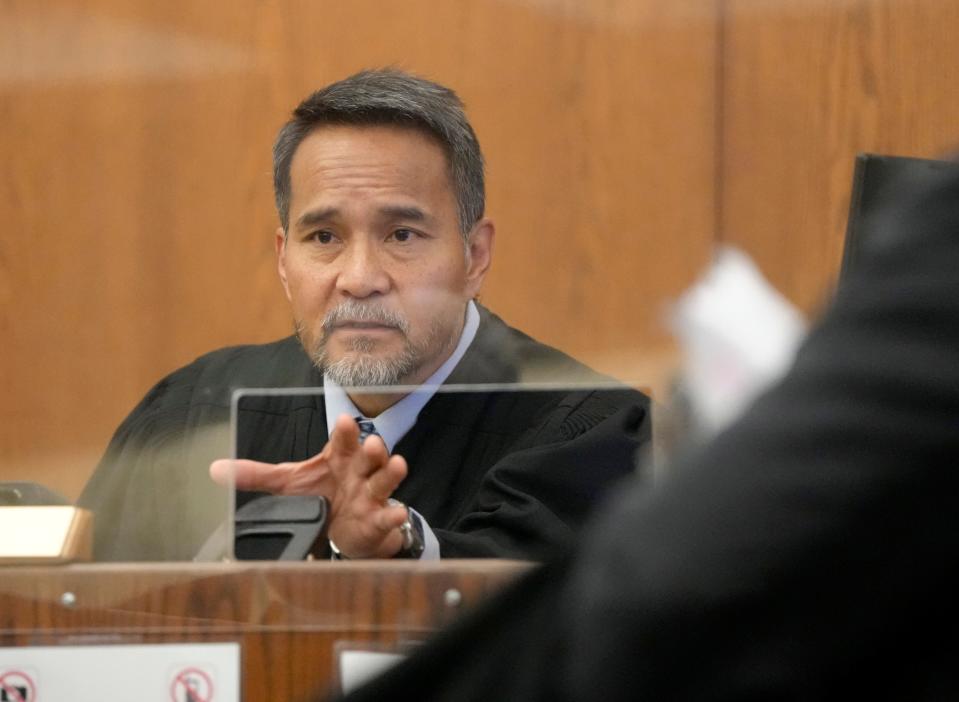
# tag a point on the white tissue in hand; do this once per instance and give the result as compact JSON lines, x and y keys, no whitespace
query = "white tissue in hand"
{"x":738,"y":336}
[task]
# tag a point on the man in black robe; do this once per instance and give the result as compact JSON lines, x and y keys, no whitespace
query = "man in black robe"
{"x":382,"y":248}
{"x":810,"y":552}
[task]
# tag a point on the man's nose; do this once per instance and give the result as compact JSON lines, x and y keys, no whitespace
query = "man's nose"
{"x":362,"y":272}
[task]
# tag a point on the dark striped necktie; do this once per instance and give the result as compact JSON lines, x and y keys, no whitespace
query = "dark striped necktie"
{"x":366,"y":428}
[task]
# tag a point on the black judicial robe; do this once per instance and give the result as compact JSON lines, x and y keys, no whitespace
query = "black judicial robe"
{"x":810,"y":552}
{"x":494,"y":474}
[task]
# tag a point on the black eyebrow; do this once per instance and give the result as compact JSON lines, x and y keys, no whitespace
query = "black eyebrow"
{"x":411,"y":213}
{"x":308,"y":219}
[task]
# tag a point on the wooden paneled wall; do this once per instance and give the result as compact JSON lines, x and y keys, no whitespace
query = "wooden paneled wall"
{"x":807,"y":84}
{"x":136,"y":194}
{"x":623,"y":139}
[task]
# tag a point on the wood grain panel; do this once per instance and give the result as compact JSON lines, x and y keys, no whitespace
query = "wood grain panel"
{"x":807,"y":85}
{"x":289,"y":619}
{"x":137,"y":199}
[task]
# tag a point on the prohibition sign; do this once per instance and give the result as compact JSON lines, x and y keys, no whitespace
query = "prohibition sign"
{"x":194,"y":684}
{"x":13,"y":681}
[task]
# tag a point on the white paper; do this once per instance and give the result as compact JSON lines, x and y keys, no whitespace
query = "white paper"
{"x":738,"y":336}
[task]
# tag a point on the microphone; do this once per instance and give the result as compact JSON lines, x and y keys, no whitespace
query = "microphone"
{"x":273,"y":528}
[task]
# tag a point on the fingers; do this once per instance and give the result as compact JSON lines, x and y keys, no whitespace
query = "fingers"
{"x":376,"y":535}
{"x":376,"y":455}
{"x":346,"y":439}
{"x":384,"y":481}
{"x":390,"y":518}
{"x":309,"y":477}
{"x":221,"y":471}
{"x":346,"y":435}
{"x":249,"y":475}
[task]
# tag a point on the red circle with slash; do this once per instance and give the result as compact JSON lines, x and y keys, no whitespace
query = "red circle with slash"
{"x":185,"y":681}
{"x":13,"y":681}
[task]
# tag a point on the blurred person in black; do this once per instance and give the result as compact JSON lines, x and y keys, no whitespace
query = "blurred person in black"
{"x":811,"y":551}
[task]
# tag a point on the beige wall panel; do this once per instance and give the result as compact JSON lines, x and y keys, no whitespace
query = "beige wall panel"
{"x":137,"y":202}
{"x":807,"y":85}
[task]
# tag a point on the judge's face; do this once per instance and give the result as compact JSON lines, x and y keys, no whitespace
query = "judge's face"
{"x":374,"y":262}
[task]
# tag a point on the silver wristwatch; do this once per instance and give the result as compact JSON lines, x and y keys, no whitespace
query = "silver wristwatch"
{"x":412,"y":531}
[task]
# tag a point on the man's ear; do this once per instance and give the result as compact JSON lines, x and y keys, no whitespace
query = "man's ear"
{"x":479,"y":255}
{"x":280,"y":245}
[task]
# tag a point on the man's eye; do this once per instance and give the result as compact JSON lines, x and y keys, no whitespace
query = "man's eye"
{"x":322,"y":237}
{"x":403,"y":235}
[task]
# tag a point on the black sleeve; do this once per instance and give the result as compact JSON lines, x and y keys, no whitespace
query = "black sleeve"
{"x":150,"y":496}
{"x":151,"y":493}
{"x":535,"y":499}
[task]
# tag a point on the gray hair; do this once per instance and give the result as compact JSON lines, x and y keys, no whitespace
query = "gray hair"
{"x":389,"y":97}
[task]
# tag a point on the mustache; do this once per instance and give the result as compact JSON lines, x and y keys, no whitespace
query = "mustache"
{"x":365,"y":312}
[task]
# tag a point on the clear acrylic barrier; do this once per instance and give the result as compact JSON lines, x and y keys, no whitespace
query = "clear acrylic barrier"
{"x":461,"y":435}
{"x":151,"y":498}
{"x":109,"y":602}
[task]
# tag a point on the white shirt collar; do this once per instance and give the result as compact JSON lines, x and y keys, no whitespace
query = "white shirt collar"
{"x":393,"y":423}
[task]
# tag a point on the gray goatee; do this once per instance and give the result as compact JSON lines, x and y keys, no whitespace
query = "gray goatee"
{"x":360,"y":368}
